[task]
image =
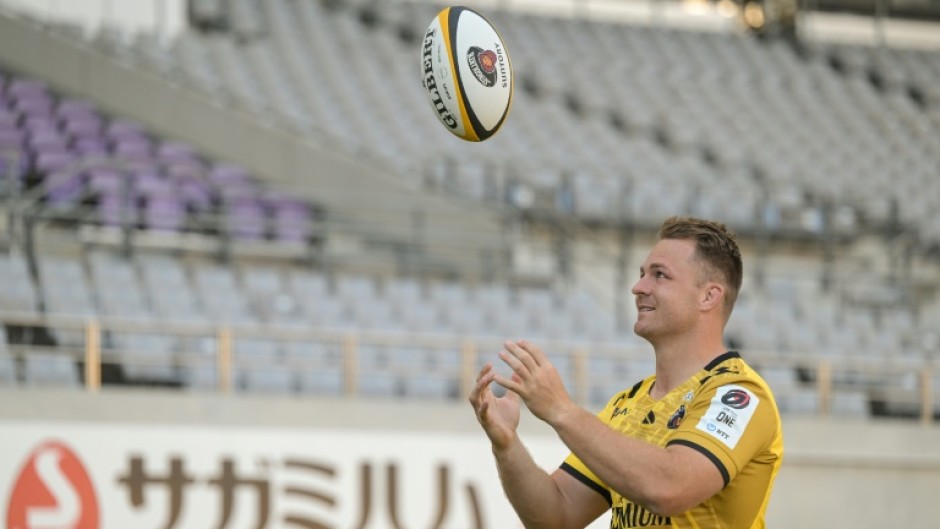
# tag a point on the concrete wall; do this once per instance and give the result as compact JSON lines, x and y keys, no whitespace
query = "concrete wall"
{"x":836,"y":473}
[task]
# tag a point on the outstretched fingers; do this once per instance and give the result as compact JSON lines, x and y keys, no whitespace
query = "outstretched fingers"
{"x":538,"y":356}
{"x":519,"y":358}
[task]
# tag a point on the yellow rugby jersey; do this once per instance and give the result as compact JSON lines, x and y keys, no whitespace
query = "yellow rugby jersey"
{"x":725,"y":411}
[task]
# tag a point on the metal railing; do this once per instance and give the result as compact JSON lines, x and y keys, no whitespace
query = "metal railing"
{"x":903,"y":387}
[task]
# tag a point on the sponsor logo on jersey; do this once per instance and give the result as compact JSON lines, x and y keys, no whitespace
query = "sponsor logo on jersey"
{"x":676,"y":418}
{"x":728,"y":414}
{"x":737,"y":399}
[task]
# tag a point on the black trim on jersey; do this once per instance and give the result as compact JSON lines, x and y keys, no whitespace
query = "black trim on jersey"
{"x":587,"y":481}
{"x":634,"y":390}
{"x":721,"y":358}
{"x":711,"y":457}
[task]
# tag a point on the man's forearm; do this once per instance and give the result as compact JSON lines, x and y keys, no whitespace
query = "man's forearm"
{"x":531,"y":491}
{"x":634,"y":468}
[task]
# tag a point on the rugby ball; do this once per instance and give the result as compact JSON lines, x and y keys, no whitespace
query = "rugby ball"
{"x":467,"y":74}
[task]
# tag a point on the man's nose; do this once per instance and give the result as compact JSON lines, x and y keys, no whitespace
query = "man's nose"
{"x":639,"y":287}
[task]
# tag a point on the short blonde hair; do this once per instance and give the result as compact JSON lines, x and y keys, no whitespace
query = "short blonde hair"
{"x":715,"y":246}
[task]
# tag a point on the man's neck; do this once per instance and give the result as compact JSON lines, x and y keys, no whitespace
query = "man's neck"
{"x":678,"y":360}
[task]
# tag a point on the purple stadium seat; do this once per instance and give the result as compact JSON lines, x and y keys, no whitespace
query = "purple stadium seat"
{"x":164,"y":214}
{"x":40,"y":124}
{"x":132,"y":148}
{"x":34,"y":106}
{"x":23,"y":86}
{"x":43,"y":141}
{"x":246,"y":219}
{"x":50,"y":158}
{"x":90,"y":147}
{"x":84,"y":127}
{"x":11,"y":137}
{"x":196,"y":195}
{"x":105,"y":181}
{"x":152,"y":186}
{"x":20,"y":91}
{"x":50,"y":161}
{"x":72,"y":108}
{"x":112,"y":210}
{"x":135,"y":163}
{"x":64,"y":188}
{"x":8,"y":118}
{"x":292,"y":224}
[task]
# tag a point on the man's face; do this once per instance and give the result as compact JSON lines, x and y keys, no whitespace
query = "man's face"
{"x":668,"y":291}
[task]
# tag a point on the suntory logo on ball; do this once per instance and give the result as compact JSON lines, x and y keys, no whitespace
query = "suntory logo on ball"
{"x":53,"y":491}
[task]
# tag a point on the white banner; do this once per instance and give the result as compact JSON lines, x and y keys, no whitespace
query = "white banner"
{"x":118,"y":476}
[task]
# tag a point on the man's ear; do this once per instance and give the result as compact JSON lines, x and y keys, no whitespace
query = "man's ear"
{"x":714,"y":294}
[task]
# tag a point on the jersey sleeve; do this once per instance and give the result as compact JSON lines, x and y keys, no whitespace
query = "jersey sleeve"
{"x":729,"y":423}
{"x":577,"y":469}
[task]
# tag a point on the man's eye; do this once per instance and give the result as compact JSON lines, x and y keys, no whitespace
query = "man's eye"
{"x":660,"y":275}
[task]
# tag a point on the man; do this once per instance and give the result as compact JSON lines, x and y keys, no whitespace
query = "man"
{"x":697,"y":444}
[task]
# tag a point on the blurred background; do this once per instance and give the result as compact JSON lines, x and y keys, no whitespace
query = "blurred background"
{"x":240,"y":219}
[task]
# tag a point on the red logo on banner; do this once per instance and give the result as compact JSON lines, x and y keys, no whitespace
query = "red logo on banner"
{"x":53,"y":492}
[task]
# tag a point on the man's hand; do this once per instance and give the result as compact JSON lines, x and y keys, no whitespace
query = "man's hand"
{"x":499,"y":416}
{"x":536,"y":380}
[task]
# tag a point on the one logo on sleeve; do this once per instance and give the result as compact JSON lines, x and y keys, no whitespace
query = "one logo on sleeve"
{"x":53,"y":491}
{"x":728,"y":414}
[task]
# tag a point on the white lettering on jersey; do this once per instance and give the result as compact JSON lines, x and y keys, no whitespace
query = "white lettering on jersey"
{"x":728,"y":414}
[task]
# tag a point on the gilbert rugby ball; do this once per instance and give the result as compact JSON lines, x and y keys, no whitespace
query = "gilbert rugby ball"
{"x":467,"y":73}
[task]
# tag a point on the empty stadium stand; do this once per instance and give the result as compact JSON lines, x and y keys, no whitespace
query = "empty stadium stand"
{"x":823,"y":155}
{"x":646,"y":113}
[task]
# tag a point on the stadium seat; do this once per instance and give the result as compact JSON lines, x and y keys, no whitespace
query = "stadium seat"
{"x":221,"y":297}
{"x":147,"y":358}
{"x":8,"y":376}
{"x":167,"y":286}
{"x":319,"y":367}
{"x":378,"y":372}
{"x":50,"y":369}
{"x":19,"y":293}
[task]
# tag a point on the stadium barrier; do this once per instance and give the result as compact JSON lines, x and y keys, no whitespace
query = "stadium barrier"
{"x":823,"y":386}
